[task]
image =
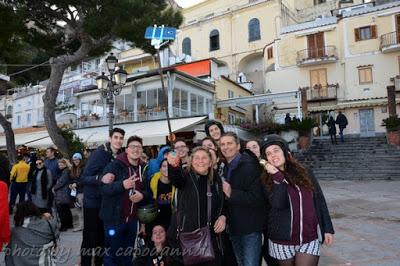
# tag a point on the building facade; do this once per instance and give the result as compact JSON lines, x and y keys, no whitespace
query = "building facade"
{"x":345,"y":62}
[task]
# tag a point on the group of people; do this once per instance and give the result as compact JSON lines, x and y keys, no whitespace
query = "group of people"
{"x":341,"y":121}
{"x":223,"y":202}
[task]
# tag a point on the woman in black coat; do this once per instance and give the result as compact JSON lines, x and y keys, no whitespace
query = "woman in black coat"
{"x":192,"y":199}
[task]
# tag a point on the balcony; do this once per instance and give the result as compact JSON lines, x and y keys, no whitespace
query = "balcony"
{"x":320,"y":93}
{"x":317,"y":56}
{"x":390,"y":42}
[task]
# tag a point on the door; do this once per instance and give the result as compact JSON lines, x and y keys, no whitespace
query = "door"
{"x":316,"y":45}
{"x":318,"y":83}
{"x":398,"y":28}
{"x":367,"y":124}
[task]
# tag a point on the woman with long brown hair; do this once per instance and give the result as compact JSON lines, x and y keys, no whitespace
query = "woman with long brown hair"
{"x":298,"y":220}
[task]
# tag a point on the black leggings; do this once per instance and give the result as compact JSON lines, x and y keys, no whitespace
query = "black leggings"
{"x":65,"y":215}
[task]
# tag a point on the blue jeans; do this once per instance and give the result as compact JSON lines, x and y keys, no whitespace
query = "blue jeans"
{"x":247,"y":249}
{"x":341,"y":133}
{"x":119,"y":241}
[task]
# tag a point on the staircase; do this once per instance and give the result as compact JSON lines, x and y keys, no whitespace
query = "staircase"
{"x":357,"y":158}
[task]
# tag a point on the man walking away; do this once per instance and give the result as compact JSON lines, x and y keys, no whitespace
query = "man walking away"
{"x":93,"y":231}
{"x":341,"y":120}
{"x":332,"y":129}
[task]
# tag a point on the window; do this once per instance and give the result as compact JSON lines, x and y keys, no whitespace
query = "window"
{"x":365,"y":75}
{"x":28,"y":119}
{"x":214,"y":40}
{"x":254,"y":30}
{"x":19,"y":120}
{"x":270,"y":54}
{"x":193,"y":104}
{"x":316,"y":45}
{"x":231,"y":118}
{"x":317,"y":2}
{"x":231,"y":94}
{"x":187,"y":46}
{"x":365,"y":33}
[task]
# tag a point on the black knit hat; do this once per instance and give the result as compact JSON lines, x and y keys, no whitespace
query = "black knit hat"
{"x":274,"y":139}
{"x":213,"y":122}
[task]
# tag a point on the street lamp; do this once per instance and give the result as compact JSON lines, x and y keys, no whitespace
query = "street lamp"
{"x":110,"y":86}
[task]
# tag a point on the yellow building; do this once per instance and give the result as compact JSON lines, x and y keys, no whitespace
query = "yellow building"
{"x":345,"y":61}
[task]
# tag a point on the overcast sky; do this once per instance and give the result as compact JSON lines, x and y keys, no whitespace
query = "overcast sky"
{"x":187,"y":3}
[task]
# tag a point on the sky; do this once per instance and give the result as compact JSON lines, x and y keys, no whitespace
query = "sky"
{"x":187,"y":3}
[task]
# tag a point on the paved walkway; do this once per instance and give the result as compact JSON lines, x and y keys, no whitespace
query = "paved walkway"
{"x":366,"y":217}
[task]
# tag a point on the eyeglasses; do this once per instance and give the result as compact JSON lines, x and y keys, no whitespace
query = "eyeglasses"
{"x":39,"y":163}
{"x":133,"y":147}
{"x":180,"y":147}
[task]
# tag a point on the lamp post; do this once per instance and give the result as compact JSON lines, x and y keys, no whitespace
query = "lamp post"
{"x":110,"y":86}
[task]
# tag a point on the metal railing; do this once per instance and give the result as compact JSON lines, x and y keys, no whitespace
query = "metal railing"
{"x":390,"y":39}
{"x":325,"y":52}
{"x":319,"y":92}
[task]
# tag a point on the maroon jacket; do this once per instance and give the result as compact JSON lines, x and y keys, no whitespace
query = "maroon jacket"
{"x":304,"y":220}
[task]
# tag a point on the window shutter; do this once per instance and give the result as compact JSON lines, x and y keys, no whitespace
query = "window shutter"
{"x":373,"y":32}
{"x":357,"y":34}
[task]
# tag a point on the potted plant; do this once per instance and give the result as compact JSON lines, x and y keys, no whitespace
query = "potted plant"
{"x":124,"y":112}
{"x":392,"y":124}
{"x":94,"y":116}
{"x":83,"y":118}
{"x":304,"y":128}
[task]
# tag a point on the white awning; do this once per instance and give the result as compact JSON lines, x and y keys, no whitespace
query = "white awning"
{"x":25,"y":138}
{"x":152,"y":132}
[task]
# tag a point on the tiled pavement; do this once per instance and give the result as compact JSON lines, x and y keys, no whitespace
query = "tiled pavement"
{"x":366,"y":217}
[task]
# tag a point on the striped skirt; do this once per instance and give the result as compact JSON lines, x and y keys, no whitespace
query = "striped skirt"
{"x":285,"y":252}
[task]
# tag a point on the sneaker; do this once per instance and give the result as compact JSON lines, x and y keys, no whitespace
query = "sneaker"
{"x":77,"y":229}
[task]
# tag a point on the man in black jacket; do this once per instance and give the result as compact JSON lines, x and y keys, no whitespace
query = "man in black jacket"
{"x":93,"y":229}
{"x":245,"y":200}
{"x":341,"y":120}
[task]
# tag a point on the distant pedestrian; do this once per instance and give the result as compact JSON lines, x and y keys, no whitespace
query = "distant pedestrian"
{"x":62,"y":195}
{"x":341,"y":120}
{"x":19,"y":181}
{"x":42,"y":182}
{"x":332,"y":129}
{"x":76,"y":190}
{"x":51,"y":163}
{"x":288,"y":119}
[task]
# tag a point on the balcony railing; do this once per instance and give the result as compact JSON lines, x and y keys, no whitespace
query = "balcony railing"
{"x":322,"y":93}
{"x":320,"y":55}
{"x":390,"y":42}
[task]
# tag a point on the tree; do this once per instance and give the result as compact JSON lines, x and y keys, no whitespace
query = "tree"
{"x":70,"y":31}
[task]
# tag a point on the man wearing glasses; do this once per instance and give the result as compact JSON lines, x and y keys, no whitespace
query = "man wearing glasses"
{"x":122,"y":191}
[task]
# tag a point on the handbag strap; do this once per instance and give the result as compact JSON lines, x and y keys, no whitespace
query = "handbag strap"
{"x":52,"y":233}
{"x":209,"y":195}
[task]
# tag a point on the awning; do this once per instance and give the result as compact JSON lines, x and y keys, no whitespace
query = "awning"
{"x":24,"y":138}
{"x":351,"y":104}
{"x":152,"y":132}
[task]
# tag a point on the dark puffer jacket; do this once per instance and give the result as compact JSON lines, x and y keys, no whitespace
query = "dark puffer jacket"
{"x":280,"y":213}
{"x":90,"y":177}
{"x":246,"y":206}
{"x":192,"y":195}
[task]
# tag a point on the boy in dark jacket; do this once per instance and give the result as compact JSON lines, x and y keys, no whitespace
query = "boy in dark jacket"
{"x":93,"y":229}
{"x":245,"y":200}
{"x":122,"y":190}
